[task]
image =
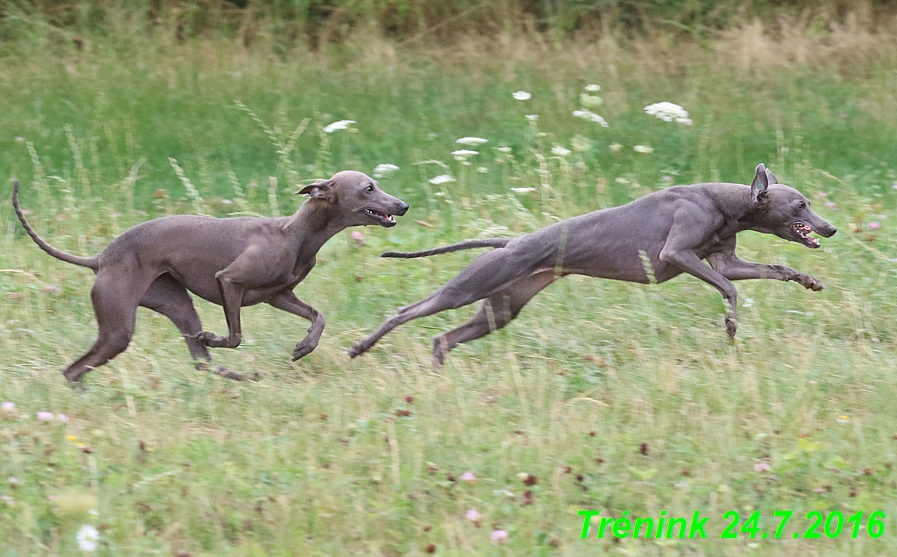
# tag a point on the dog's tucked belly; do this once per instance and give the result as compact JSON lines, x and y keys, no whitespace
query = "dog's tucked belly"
{"x":208,"y":290}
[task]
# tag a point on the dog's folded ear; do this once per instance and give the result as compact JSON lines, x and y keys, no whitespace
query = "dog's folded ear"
{"x":319,"y":189}
{"x":760,"y":183}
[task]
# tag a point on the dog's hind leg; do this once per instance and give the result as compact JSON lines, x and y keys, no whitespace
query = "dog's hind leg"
{"x":115,"y":302}
{"x":489,"y":273}
{"x":169,"y":297}
{"x":497,"y":311}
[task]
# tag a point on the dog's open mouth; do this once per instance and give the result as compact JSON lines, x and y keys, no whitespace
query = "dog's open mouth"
{"x":803,"y":231}
{"x":384,"y":218}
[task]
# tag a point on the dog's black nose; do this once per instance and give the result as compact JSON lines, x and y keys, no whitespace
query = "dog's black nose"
{"x":403,"y":208}
{"x":831,"y":230}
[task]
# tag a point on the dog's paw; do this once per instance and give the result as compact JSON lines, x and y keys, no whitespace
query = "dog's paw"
{"x":212,"y":340}
{"x":731,"y":325}
{"x":303,"y":349}
{"x":440,"y":348}
{"x":74,"y":381}
{"x":810,"y":283}
{"x":207,"y":338}
{"x":438,"y":361}
{"x":357,"y":349}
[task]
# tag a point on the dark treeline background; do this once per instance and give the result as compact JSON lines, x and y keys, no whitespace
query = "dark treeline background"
{"x":313,"y":23}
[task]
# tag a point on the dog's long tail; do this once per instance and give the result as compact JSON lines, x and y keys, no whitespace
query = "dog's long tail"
{"x":468,"y":244}
{"x":89,"y":262}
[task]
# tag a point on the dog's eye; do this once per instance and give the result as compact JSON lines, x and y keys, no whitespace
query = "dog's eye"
{"x":369,"y":189}
{"x":801,"y":205}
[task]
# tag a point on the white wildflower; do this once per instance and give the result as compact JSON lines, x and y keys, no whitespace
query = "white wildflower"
{"x":591,"y":101}
{"x":669,"y":112}
{"x":560,"y":151}
{"x":592,"y":88}
{"x":644,"y":149}
{"x":88,"y":538}
{"x":580,"y":143}
{"x":441,"y":179}
{"x":471,"y":141}
{"x":504,"y":149}
{"x":338,"y":125}
{"x":615,"y":147}
{"x":587,"y":114}
{"x":462,"y":154}
{"x":385,"y":169}
{"x":532,"y":117}
{"x":523,"y":190}
{"x":521,"y":95}
{"x":599,"y":120}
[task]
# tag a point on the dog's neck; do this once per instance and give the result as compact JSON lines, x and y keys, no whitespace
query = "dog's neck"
{"x":315,"y":222}
{"x":755,"y":215}
{"x":740,"y":210}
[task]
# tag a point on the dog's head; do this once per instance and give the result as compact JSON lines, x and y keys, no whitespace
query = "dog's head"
{"x":785,"y":212}
{"x":358,"y":197}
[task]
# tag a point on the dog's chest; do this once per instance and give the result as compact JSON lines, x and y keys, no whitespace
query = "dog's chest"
{"x":714,"y":243}
{"x":301,"y":270}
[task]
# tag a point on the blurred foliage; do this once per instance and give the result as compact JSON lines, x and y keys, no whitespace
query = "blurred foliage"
{"x":311,"y":22}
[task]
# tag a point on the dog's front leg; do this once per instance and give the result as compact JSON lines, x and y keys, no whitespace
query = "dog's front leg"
{"x":690,"y":263}
{"x":231,"y":300}
{"x":733,"y":268}
{"x":686,"y":232}
{"x":287,"y":301}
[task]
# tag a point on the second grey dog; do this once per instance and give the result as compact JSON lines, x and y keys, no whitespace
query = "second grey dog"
{"x":672,"y":229}
{"x":233,"y":262}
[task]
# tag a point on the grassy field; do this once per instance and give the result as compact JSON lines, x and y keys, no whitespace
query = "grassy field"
{"x":601,"y":395}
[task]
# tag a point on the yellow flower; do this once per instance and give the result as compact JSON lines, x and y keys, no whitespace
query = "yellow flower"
{"x":71,"y":438}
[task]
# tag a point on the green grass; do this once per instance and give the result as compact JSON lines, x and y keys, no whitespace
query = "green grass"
{"x":331,"y":456}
